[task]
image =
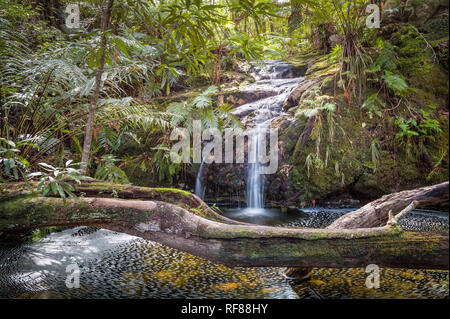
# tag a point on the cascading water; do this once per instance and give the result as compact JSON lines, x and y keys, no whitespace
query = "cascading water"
{"x":255,"y":184}
{"x":199,"y":186}
{"x":275,"y":82}
{"x":276,"y":78}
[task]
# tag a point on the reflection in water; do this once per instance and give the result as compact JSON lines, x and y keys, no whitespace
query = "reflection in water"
{"x":115,"y":265}
{"x":132,"y":268}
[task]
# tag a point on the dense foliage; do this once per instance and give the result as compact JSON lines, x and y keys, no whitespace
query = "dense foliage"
{"x":129,"y":60}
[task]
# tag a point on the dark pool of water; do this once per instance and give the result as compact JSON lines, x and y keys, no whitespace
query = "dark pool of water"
{"x":115,"y":265}
{"x":308,"y":217}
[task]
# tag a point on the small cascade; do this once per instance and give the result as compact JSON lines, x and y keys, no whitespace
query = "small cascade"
{"x":255,"y":183}
{"x":274,"y":81}
{"x":259,"y":114}
{"x":199,"y":186}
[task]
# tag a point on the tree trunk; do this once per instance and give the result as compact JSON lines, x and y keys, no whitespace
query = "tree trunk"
{"x":196,"y":230}
{"x":295,"y":18}
{"x":376,"y":213}
{"x":106,"y":14}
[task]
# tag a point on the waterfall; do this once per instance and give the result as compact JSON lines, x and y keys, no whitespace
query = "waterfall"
{"x":255,"y":183}
{"x":199,"y":187}
{"x":260,"y":113}
{"x":273,"y":84}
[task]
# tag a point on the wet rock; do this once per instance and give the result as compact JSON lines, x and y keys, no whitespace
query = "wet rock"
{"x":299,"y":70}
{"x":296,"y":210}
{"x":273,"y":69}
{"x":367,"y":187}
{"x":241,"y":97}
{"x":294,"y":98}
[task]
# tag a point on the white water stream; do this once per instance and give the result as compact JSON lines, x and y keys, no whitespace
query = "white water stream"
{"x":276,"y":79}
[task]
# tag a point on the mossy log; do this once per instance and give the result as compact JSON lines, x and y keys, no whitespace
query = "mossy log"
{"x":93,"y":188}
{"x":200,"y":231}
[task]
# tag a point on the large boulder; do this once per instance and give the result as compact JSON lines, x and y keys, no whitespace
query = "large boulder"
{"x":416,"y":12}
{"x":420,"y":11}
{"x":294,"y":97}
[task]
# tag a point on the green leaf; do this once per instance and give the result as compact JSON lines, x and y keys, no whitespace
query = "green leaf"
{"x":46,"y":190}
{"x":61,"y":191}
{"x":54,"y":187}
{"x":47,"y":166}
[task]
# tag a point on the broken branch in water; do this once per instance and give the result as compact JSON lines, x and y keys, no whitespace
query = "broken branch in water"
{"x":394,"y":221}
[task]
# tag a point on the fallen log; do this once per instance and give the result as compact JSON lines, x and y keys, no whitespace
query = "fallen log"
{"x":94,"y":188}
{"x":377,"y":213}
{"x":200,"y":232}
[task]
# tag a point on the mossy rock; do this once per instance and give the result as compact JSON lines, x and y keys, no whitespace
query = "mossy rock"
{"x":420,"y":11}
{"x":299,"y":69}
{"x":367,"y":186}
{"x":319,"y":66}
{"x":350,"y":166}
{"x":437,"y":28}
{"x":417,"y":62}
